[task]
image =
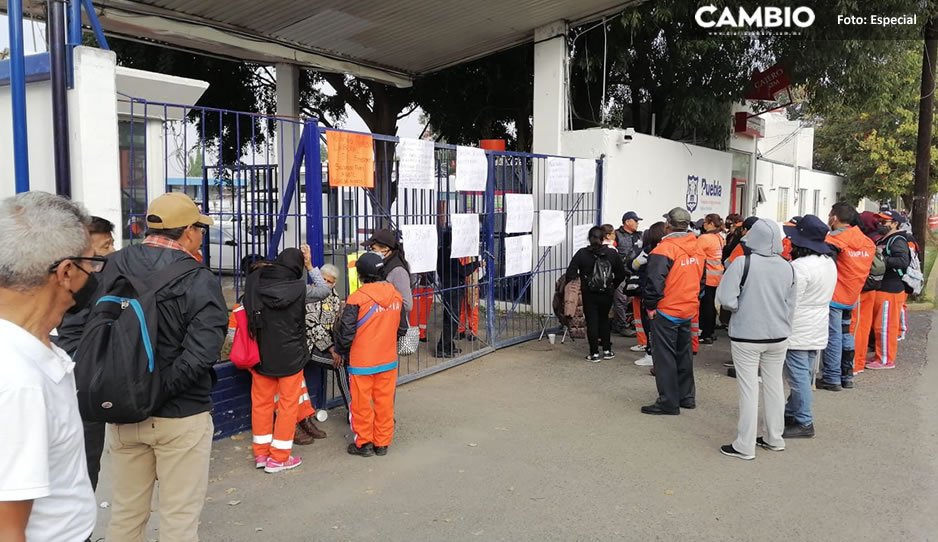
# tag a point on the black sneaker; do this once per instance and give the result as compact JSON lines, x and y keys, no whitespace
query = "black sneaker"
{"x":594,"y":358}
{"x":728,"y":364}
{"x":608,"y":354}
{"x":381,"y":450}
{"x":822,"y":385}
{"x":760,"y":442}
{"x":689,"y":405}
{"x":730,"y":451}
{"x":656,"y":409}
{"x":799,"y":431}
{"x":366,"y":450}
{"x":707,"y":340}
{"x":846,"y":384}
{"x":790,"y":421}
{"x":447,"y":353}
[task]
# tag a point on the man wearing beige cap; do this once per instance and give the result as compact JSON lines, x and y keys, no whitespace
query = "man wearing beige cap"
{"x":174,"y":444}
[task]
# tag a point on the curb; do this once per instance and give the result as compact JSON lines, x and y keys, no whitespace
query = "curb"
{"x":931,"y":282}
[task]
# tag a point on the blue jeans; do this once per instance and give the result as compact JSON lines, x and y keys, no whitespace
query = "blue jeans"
{"x":839,"y":340}
{"x":798,"y":368}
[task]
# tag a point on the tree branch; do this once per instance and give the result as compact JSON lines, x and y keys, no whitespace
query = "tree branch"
{"x":337,"y":81}
{"x":411,"y":110}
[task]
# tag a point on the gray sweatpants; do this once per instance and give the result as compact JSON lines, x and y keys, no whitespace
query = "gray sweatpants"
{"x":747,"y":359}
{"x":621,"y":306}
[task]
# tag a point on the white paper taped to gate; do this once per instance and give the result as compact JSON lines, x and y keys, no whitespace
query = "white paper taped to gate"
{"x":558,"y":176}
{"x":552,"y":228}
{"x":518,"y":252}
{"x":581,"y":235}
{"x":519,"y":213}
{"x":420,"y":243}
{"x":465,"y":235}
{"x":472,"y":169}
{"x":415,"y":166}
{"x":584,"y":175}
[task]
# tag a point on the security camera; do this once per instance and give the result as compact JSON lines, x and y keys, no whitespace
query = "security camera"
{"x":626,"y":137}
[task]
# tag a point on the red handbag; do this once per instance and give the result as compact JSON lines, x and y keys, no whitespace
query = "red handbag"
{"x":244,"y":352}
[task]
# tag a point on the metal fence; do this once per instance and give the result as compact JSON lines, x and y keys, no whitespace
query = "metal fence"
{"x":262,"y":204}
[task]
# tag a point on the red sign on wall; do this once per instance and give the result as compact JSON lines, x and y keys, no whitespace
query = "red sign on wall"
{"x":765,"y":85}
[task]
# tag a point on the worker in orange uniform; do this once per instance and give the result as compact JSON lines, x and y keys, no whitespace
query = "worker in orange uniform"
{"x":854,"y":252}
{"x":469,"y":310}
{"x":423,"y":303}
{"x":366,"y":336}
{"x":891,"y":294}
{"x":710,"y":245}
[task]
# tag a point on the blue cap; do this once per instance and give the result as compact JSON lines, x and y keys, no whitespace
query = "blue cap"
{"x":631,"y":215}
{"x":810,"y":232}
{"x":369,"y":264}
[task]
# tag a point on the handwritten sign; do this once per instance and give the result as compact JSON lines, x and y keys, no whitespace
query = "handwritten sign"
{"x":465,"y":235}
{"x":415,"y":164}
{"x":581,"y":235}
{"x":420,"y":243}
{"x":552,"y":228}
{"x":472,"y":169}
{"x":558,"y":176}
{"x":518,"y":252}
{"x":351,"y":159}
{"x":519,"y":213}
{"x":584,"y":175}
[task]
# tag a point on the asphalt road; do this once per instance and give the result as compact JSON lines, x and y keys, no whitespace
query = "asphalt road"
{"x":534,"y":443}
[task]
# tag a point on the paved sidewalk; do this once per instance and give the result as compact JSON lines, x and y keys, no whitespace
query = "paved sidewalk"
{"x":534,"y":443}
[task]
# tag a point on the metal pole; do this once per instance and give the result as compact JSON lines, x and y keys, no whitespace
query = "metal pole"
{"x":73,"y":39}
{"x":18,"y":94}
{"x":57,"y":49}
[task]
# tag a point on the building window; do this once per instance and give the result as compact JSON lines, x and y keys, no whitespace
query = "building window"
{"x":802,"y":196}
{"x":133,"y":149}
{"x":817,"y":203}
{"x":782,"y":205}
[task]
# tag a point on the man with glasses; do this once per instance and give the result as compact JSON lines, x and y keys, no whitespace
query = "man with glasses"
{"x":47,"y":268}
{"x":175,"y":443}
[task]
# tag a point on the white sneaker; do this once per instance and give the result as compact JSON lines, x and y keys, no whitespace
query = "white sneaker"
{"x":638,"y":348}
{"x":644,"y":361}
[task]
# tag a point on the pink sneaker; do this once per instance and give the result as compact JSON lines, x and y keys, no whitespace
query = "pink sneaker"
{"x":260,"y":461}
{"x":277,"y":466}
{"x":878,"y":365}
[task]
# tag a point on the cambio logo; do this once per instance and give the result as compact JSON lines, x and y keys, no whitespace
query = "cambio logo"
{"x":762,"y":17}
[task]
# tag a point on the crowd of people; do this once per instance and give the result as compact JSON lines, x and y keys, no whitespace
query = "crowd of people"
{"x":67,"y":311}
{"x":799,"y":301}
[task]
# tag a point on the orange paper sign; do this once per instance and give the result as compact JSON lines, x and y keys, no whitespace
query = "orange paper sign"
{"x":351,"y":159}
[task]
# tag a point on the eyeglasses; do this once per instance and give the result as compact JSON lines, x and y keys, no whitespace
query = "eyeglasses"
{"x":96,"y":263}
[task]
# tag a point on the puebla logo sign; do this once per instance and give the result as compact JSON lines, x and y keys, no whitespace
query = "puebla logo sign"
{"x":698,"y":187}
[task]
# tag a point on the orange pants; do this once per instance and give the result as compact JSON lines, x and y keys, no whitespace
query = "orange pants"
{"x":886,"y":319}
{"x":860,"y":327}
{"x":305,"y":409}
{"x":470,"y":310}
{"x":637,"y":318}
{"x":423,"y":302}
{"x":695,"y":333}
{"x":372,"y":410}
{"x":275,"y":438}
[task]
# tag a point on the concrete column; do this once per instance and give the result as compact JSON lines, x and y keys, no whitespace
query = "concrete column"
{"x":288,"y":105}
{"x":550,"y":61}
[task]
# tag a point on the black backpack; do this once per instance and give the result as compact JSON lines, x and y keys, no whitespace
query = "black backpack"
{"x":116,"y":373}
{"x":601,"y":278}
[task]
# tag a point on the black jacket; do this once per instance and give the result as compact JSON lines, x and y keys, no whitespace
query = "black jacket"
{"x":281,"y":323}
{"x":193,"y":321}
{"x":625,"y":241}
{"x":449,"y":270}
{"x":581,"y":266}
{"x":897,"y":255}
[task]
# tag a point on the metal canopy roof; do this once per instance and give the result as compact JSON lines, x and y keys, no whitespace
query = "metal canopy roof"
{"x":389,"y":41}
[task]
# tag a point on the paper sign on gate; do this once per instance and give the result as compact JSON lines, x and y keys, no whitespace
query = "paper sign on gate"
{"x":558,"y":176}
{"x":465,"y":235}
{"x":519,"y":213}
{"x":552,"y":228}
{"x":415,"y":167}
{"x":584,"y":175}
{"x":518,"y":255}
{"x":472,"y":169}
{"x":351,"y":159}
{"x":420,"y":243}
{"x":581,"y":235}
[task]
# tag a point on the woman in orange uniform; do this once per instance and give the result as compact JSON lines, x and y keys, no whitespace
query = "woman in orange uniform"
{"x":710,"y":245}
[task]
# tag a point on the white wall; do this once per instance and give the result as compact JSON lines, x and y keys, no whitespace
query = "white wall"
{"x":651,"y":175}
{"x":39,"y":137}
{"x":776,"y":178}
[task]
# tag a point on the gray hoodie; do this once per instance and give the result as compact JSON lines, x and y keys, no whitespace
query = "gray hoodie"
{"x":764,"y":310}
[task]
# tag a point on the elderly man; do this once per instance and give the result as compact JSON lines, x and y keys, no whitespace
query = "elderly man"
{"x":47,"y":267}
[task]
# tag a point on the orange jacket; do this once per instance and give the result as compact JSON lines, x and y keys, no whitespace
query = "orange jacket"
{"x":854,"y":260}
{"x":675,"y":269}
{"x":710,"y":245}
{"x":371,"y":322}
{"x":786,"y":248}
{"x":737,"y":252}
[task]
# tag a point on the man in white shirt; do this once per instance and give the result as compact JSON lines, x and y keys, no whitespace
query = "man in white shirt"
{"x":47,"y":267}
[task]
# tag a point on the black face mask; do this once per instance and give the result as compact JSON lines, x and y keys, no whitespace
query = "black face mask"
{"x":84,"y":294}
{"x":883,"y":229}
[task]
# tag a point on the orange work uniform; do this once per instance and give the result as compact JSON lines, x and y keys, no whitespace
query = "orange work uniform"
{"x":290,"y":392}
{"x":367,"y":336}
{"x":469,"y":311}
{"x":860,"y":328}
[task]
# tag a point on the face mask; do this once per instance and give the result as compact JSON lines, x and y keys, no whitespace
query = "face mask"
{"x":83,"y":296}
{"x":883,"y":229}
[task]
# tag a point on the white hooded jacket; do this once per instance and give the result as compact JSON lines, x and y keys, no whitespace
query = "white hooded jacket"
{"x":815,"y":280}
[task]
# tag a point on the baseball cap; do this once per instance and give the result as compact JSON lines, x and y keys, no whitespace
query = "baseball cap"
{"x":892,"y":215}
{"x":809,"y":232}
{"x":175,"y":210}
{"x":631,"y":215}
{"x":369,"y":264}
{"x":750,"y":222}
{"x":385,"y":237}
{"x":678,"y":216}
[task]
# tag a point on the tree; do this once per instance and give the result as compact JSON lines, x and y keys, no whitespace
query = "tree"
{"x":924,"y":144}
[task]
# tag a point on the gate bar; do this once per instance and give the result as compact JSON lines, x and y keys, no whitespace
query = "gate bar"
{"x":18,"y":94}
